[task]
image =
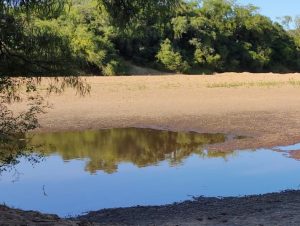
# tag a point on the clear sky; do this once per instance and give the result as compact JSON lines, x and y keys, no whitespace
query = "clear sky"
{"x":275,"y":8}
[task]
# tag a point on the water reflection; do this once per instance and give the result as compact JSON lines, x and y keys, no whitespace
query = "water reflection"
{"x":127,"y":167}
{"x":106,"y":149}
{"x":29,"y":93}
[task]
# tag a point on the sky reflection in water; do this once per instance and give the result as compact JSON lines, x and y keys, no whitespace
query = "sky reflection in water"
{"x":124,"y":167}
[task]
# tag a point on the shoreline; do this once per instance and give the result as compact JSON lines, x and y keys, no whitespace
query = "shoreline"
{"x":263,"y":107}
{"x":252,"y":138}
{"x":269,"y":209}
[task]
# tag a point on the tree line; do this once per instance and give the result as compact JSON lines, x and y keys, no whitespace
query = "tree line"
{"x":39,"y":37}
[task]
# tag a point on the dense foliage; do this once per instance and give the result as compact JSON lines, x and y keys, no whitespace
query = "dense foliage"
{"x":102,"y":36}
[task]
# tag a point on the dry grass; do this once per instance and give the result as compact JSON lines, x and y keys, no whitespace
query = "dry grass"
{"x":291,"y":82}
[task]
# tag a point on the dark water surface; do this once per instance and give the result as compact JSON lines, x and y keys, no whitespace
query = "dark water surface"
{"x":91,"y":170}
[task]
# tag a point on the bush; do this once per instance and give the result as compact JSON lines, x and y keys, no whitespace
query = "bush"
{"x":171,"y":59}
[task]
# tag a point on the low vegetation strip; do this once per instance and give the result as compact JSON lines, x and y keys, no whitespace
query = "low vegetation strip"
{"x":262,"y":83}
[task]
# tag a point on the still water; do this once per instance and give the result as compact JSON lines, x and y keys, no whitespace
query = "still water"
{"x":91,"y":170}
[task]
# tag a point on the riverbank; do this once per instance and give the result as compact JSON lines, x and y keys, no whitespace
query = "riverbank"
{"x":270,"y":209}
{"x":265,"y":108}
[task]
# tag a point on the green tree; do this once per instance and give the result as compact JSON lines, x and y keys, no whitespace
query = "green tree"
{"x":101,"y":36}
{"x":170,"y":58}
{"x":23,"y":47}
{"x":122,"y":12}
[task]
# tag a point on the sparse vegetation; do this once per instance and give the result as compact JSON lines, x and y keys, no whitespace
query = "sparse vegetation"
{"x":291,"y":82}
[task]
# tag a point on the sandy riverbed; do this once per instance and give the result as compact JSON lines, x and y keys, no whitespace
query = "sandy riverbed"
{"x":263,"y":107}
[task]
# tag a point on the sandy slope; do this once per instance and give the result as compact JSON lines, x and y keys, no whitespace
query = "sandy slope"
{"x":264,"y":107}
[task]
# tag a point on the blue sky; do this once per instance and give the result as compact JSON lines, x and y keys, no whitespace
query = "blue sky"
{"x":275,"y":8}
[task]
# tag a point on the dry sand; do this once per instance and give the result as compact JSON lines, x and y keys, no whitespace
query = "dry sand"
{"x":263,"y":107}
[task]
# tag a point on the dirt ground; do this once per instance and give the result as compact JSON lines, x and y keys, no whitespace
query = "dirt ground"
{"x":271,"y":209}
{"x":263,"y":107}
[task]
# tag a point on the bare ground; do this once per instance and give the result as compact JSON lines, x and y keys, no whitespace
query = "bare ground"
{"x":271,"y":209}
{"x":263,"y":107}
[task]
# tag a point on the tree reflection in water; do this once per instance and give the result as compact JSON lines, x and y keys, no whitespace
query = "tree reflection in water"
{"x":106,"y":149}
{"x":29,"y":92}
